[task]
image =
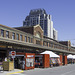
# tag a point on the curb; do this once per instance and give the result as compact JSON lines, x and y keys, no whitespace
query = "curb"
{"x":15,"y":72}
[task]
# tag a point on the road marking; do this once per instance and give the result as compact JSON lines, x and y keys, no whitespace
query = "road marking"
{"x":15,"y":72}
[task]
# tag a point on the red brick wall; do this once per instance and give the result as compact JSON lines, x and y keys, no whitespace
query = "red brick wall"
{"x":46,"y":61}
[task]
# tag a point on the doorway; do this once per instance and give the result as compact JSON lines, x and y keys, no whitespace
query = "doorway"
{"x":19,"y":62}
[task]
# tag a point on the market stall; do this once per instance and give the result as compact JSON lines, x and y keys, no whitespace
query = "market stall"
{"x":54,"y":58}
{"x":25,"y":61}
{"x":73,"y":58}
{"x":70,"y":58}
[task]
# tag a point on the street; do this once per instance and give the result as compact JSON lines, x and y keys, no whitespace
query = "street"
{"x":62,"y":70}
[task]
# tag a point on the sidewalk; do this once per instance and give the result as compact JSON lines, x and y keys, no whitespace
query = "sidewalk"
{"x":15,"y":71}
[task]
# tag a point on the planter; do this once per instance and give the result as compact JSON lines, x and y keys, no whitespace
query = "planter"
{"x":8,"y":65}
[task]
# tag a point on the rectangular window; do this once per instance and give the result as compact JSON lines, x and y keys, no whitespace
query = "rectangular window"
{"x":31,"y":40}
{"x":47,"y":43}
{"x":13,"y":36}
{"x":51,"y":44}
{"x":28,"y":39}
{"x":7,"y":34}
{"x":21,"y":37}
{"x":17,"y":36}
{"x":25,"y":38}
{"x":38,"y":42}
{"x":2,"y":32}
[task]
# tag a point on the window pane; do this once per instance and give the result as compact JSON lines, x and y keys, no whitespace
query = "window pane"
{"x":25,"y":38}
{"x":7,"y":34}
{"x":2,"y":33}
{"x":13,"y":36}
{"x":31,"y":40}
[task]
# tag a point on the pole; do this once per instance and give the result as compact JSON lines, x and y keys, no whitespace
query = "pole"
{"x":13,"y":63}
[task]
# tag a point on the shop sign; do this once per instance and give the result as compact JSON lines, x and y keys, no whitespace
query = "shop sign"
{"x":30,"y":55}
{"x":2,"y":46}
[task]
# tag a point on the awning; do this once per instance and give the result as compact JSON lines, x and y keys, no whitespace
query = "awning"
{"x":52,"y":54}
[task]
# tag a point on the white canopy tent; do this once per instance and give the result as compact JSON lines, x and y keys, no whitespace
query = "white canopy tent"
{"x":73,"y":56}
{"x":52,"y":54}
{"x":70,"y":56}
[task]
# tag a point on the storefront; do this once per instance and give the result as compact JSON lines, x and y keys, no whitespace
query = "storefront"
{"x":24,"y":61}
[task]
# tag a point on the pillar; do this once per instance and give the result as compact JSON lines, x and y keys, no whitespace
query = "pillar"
{"x":42,"y":42}
{"x":4,"y":33}
{"x":60,"y":59}
{"x":23,"y":37}
{"x":46,"y":61}
{"x":10,"y":35}
{"x":7,"y":54}
{"x":65,"y":59}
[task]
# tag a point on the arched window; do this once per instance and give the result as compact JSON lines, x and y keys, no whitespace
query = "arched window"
{"x":38,"y":34}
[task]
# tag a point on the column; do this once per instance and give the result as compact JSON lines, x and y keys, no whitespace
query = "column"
{"x":10,"y":35}
{"x":46,"y":60}
{"x":7,"y":54}
{"x":23,"y":37}
{"x":42,"y":42}
{"x":65,"y":59}
{"x":61,"y":59}
{"x":4,"y":33}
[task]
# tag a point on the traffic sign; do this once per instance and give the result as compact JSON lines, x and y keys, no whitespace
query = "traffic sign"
{"x":13,"y":54}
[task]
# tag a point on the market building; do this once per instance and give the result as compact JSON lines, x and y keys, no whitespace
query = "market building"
{"x":28,"y":43}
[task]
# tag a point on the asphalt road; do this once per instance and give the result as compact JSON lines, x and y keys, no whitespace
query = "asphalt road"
{"x":62,"y":70}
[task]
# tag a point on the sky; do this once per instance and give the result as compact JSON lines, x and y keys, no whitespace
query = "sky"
{"x":14,"y":12}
